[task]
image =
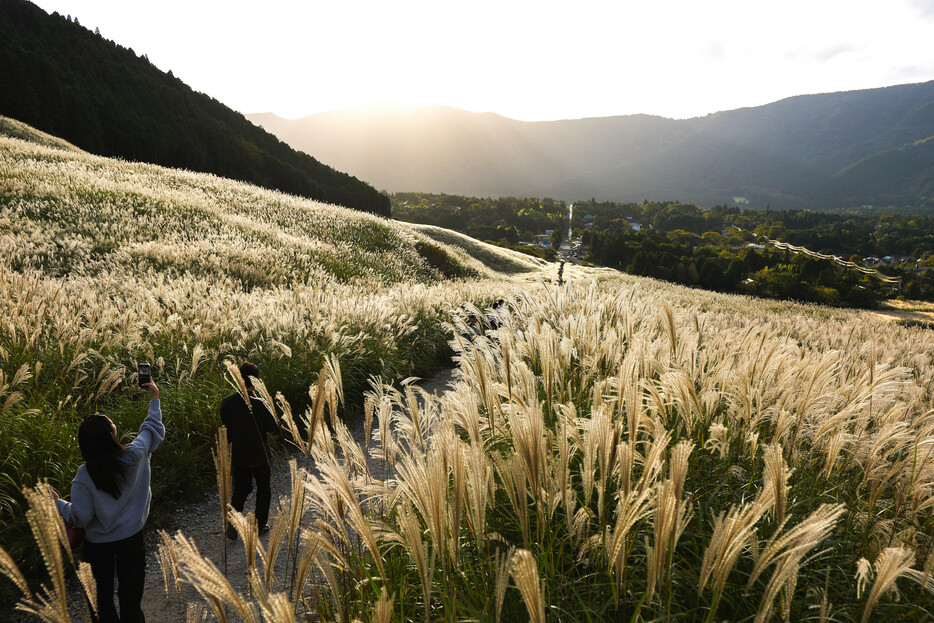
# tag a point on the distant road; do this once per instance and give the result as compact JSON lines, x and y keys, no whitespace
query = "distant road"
{"x":886,"y":279}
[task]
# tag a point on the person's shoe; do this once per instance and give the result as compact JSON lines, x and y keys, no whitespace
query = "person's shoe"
{"x":231,"y":532}
{"x":264,"y":529}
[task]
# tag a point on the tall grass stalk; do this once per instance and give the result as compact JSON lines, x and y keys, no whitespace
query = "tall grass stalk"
{"x":222,"y":466}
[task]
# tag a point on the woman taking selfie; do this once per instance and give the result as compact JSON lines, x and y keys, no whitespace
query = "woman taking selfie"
{"x":110,"y":499}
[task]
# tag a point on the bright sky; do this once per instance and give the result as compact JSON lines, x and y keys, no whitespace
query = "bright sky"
{"x":529,"y":60}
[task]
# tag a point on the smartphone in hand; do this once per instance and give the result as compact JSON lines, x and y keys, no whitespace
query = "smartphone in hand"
{"x":144,"y":371}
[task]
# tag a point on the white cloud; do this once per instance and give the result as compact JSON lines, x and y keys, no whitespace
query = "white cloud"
{"x":925,"y":7}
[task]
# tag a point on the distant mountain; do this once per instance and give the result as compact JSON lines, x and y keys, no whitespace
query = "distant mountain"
{"x":61,"y":78}
{"x":830,"y":151}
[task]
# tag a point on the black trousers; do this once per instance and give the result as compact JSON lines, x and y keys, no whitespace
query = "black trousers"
{"x":128,"y":558}
{"x":243,"y":478}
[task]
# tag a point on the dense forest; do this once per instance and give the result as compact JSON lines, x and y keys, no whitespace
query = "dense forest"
{"x":63,"y":79}
{"x":724,"y":248}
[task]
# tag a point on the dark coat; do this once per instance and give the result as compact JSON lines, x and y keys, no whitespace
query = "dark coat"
{"x":246,"y":431}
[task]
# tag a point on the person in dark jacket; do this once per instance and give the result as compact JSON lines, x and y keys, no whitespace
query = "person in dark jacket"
{"x":247,"y":427}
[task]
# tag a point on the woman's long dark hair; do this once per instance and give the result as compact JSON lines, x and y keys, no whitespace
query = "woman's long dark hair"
{"x":102,"y":454}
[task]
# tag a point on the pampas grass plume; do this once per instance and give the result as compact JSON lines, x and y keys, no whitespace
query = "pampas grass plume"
{"x":525,"y":574}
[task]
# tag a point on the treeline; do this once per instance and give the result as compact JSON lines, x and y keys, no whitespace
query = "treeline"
{"x":711,"y":248}
{"x":527,"y":217}
{"x":723,"y":248}
{"x":846,"y":235}
{"x":506,"y":221}
{"x":61,"y":78}
{"x":730,"y":264}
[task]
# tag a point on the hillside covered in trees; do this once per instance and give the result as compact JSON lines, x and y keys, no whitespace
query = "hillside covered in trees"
{"x":61,"y":78}
{"x":828,"y":151}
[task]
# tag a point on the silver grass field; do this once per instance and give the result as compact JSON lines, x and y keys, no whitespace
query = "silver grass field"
{"x":617,"y":449}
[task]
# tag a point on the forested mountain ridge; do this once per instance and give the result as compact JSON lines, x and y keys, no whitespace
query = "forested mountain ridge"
{"x":61,"y":78}
{"x":828,"y":151}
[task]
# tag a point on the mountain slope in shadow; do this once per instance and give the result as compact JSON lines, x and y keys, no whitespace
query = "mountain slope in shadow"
{"x":799,"y":152}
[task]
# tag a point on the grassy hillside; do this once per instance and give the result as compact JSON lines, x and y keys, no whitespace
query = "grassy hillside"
{"x":104,"y":263}
{"x":65,"y":80}
{"x":618,"y":449}
{"x":16,"y":129}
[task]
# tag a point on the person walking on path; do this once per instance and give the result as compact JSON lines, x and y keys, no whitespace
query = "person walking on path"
{"x":247,"y":426}
{"x":110,"y":499}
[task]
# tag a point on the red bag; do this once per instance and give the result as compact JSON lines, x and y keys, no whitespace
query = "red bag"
{"x":75,"y":535}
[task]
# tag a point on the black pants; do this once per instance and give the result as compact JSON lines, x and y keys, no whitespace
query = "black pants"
{"x":243,"y":478}
{"x":128,"y":558}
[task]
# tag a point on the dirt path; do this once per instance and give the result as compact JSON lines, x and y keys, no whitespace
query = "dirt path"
{"x":201,"y":522}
